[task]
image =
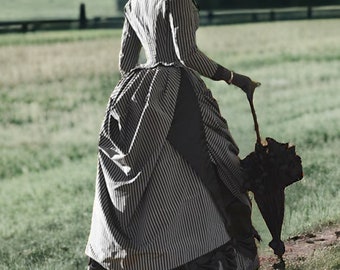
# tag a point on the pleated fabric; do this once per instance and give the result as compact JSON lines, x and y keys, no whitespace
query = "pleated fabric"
{"x":153,"y":209}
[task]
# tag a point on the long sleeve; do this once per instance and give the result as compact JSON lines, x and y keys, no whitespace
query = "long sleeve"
{"x":183,"y":27}
{"x":130,"y":49}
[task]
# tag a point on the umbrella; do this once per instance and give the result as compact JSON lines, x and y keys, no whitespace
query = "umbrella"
{"x":270,"y":169}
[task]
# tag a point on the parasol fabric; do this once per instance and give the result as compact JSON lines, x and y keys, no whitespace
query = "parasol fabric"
{"x":270,"y":169}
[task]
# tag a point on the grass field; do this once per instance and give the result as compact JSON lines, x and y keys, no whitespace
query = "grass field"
{"x":53,"y":92}
{"x":47,"y":9}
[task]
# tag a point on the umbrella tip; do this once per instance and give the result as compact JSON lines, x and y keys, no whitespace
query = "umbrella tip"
{"x":281,"y":265}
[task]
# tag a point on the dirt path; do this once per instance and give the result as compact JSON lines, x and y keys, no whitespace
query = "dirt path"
{"x":301,"y":247}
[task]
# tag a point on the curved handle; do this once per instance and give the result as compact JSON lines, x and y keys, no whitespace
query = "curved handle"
{"x":250,"y":97}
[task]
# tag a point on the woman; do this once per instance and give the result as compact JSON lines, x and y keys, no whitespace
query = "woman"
{"x":168,"y":189}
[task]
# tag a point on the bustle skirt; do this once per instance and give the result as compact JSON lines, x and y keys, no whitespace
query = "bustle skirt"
{"x":166,"y":162}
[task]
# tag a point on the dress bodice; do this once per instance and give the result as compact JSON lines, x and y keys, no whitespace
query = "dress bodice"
{"x":151,"y":20}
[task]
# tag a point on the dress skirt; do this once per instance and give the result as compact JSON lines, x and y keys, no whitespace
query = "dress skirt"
{"x":167,"y":165}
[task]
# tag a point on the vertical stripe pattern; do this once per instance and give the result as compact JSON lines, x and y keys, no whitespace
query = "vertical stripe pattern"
{"x":151,"y":209}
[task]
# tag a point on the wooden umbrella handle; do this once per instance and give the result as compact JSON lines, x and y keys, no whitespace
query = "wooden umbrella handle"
{"x":250,"y":97}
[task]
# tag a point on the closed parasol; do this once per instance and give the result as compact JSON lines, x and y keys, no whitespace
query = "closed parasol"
{"x":270,"y":169}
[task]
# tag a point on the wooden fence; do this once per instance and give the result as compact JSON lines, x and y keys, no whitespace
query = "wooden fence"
{"x":266,"y":15}
{"x":207,"y":18}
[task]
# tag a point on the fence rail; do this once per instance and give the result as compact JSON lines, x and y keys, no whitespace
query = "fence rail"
{"x":59,"y":24}
{"x":206,"y":18}
{"x":265,"y":15}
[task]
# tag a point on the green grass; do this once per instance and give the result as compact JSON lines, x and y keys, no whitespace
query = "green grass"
{"x":47,"y":9}
{"x":56,"y":37}
{"x":53,"y":92}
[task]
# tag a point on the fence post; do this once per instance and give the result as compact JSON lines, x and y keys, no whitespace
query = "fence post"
{"x":309,"y":12}
{"x":254,"y":17}
{"x":24,"y":27}
{"x":272,"y":15}
{"x":82,"y":16}
{"x":210,"y":17}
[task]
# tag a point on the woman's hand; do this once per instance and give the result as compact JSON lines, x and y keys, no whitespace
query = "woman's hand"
{"x":245,"y":83}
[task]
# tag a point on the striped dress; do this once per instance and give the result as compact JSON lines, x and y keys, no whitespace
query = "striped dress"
{"x":161,"y":143}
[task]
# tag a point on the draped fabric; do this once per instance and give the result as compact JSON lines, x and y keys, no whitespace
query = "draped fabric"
{"x":160,"y":138}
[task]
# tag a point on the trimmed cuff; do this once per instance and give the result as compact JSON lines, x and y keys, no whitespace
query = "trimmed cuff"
{"x":221,"y":73}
